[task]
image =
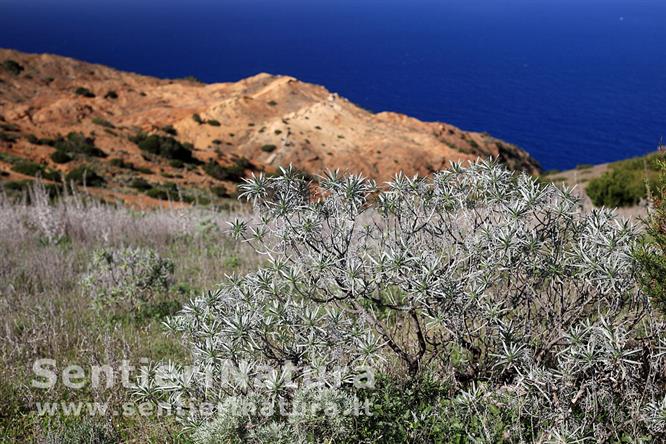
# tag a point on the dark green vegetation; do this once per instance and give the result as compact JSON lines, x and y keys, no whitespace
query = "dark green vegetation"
{"x":103,"y":122}
{"x":169,"y":191}
{"x":120,"y":163}
{"x":8,"y":132}
{"x":165,"y":146}
{"x":652,"y":253}
{"x":213,"y":122}
{"x":84,"y":92}
{"x":232,"y":173}
{"x":61,"y":157}
{"x":12,"y":66}
{"x":268,"y":148}
{"x":626,"y":183}
{"x":111,"y":95}
{"x":140,"y":184}
{"x":77,"y":144}
{"x":169,"y":129}
{"x":85,"y":175}
{"x":404,"y":410}
{"x":30,"y":168}
{"x":166,"y":191}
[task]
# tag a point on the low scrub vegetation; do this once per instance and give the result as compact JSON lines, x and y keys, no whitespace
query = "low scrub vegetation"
{"x":516,"y":314}
{"x":165,"y":146}
{"x":85,"y":175}
{"x":84,"y":92}
{"x":169,"y":129}
{"x":103,"y":122}
{"x":165,"y":191}
{"x":61,"y":157}
{"x":30,"y":168}
{"x":77,"y":144}
{"x":12,"y":66}
{"x":47,"y":313}
{"x":626,"y":183}
{"x":120,"y":163}
{"x":126,"y":279}
{"x":652,"y":253}
{"x":140,"y":184}
{"x":477,"y":305}
{"x":232,"y":173}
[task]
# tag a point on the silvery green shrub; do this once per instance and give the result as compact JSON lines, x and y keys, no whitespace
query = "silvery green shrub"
{"x":503,"y":287}
{"x":126,"y":278}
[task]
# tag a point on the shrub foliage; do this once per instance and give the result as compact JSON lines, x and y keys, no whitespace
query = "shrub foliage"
{"x":126,"y":278}
{"x":523,"y":308}
{"x":652,"y":253}
{"x":164,"y":146}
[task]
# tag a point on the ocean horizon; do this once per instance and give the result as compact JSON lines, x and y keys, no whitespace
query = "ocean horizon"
{"x":571,"y":82}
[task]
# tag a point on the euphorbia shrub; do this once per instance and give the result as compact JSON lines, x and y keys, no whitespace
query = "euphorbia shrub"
{"x":503,"y":288}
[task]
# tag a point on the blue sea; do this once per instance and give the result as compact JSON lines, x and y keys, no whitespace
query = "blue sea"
{"x":571,"y":81}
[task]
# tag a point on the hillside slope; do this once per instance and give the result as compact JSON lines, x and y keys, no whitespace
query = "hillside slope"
{"x":230,"y":129}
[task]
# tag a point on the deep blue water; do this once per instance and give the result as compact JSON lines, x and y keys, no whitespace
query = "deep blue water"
{"x":571,"y":81}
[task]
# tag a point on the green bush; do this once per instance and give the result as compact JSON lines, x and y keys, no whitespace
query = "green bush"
{"x":85,"y":175}
{"x":30,"y":168}
{"x":41,"y":140}
{"x":84,"y":92}
{"x":197,"y":118}
{"x":120,"y":163}
{"x":232,"y":173}
{"x":626,"y":182}
{"x":12,"y":66}
{"x":164,"y":146}
{"x":7,"y":137}
{"x":220,"y":191}
{"x":169,"y":191}
{"x":176,"y":163}
{"x":16,"y":185}
{"x":169,"y":129}
{"x":617,"y":188}
{"x":158,"y":193}
{"x":117,"y":162}
{"x":140,"y":184}
{"x":652,"y":252}
{"x":268,"y":148}
{"x":60,"y":157}
{"x":9,"y":127}
{"x":421,"y":410}
{"x":27,"y":167}
{"x":77,"y":143}
{"x":103,"y":122}
{"x":111,"y":95}
{"x":213,"y":122}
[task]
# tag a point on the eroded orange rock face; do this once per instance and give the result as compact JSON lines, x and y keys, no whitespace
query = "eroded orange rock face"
{"x":269,"y":120}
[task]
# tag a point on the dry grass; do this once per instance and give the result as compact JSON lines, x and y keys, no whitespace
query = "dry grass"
{"x":45,"y":249}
